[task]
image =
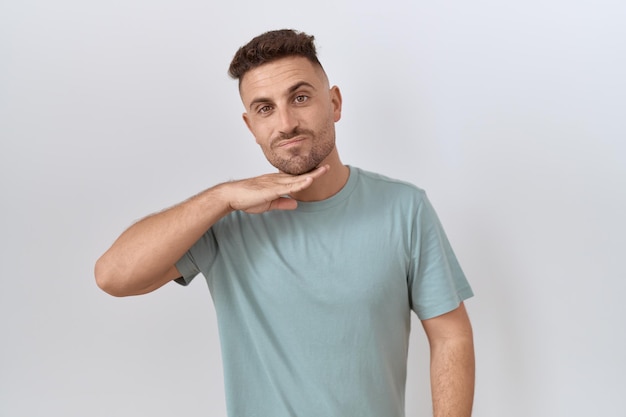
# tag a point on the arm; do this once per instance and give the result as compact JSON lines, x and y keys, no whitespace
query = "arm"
{"x":451,"y":363}
{"x":143,"y":258}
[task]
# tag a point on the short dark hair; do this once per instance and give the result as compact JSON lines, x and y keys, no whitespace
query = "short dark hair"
{"x":271,"y":46}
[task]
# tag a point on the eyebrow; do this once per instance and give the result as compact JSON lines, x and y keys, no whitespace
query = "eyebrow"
{"x":291,"y":90}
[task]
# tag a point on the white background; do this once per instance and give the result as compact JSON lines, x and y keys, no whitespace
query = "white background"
{"x":512,"y":115}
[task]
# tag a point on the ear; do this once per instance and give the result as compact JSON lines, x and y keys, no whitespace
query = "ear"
{"x":246,"y":120}
{"x":335,"y":99}
{"x":244,"y":116}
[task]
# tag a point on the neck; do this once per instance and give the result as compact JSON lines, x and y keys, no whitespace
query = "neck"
{"x":328,"y":184}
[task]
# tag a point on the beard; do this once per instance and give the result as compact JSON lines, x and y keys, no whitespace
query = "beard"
{"x":299,"y":161}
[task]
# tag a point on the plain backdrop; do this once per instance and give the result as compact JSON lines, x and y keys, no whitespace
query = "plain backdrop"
{"x":512,"y":116}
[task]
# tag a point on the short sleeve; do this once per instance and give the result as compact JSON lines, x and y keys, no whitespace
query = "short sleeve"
{"x":198,"y":259}
{"x":437,"y":284}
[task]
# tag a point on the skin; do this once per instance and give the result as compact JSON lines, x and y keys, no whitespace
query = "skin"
{"x":452,"y":367}
{"x":143,"y":258}
{"x":291,"y":111}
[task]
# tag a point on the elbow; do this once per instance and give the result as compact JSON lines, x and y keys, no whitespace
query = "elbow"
{"x":108,"y":280}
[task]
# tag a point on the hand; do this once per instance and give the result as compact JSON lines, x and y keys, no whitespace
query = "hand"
{"x":264,"y":193}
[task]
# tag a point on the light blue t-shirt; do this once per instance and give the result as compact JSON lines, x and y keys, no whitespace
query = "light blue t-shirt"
{"x":313,"y":305}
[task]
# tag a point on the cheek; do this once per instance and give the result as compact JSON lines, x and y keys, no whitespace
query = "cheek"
{"x":260,"y":131}
{"x":316,"y":119}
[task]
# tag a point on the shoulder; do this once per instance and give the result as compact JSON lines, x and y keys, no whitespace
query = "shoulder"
{"x":392,"y":197}
{"x":380,"y":183}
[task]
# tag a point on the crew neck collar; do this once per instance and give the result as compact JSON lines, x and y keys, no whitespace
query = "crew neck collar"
{"x":343,"y":194}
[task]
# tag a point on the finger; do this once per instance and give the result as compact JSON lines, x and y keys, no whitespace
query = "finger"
{"x":287,"y":179}
{"x":303,"y":181}
{"x":317,"y":172}
{"x":299,"y":185}
{"x":283,"y":203}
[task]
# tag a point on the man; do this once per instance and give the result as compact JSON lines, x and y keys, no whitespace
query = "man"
{"x":313,"y":270}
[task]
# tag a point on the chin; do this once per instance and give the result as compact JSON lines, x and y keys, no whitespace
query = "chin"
{"x":296,"y":171}
{"x":293,"y":168}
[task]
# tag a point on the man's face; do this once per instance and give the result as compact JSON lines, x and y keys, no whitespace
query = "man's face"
{"x":291,"y":111}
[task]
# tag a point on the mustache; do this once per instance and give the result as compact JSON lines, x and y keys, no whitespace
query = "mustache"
{"x":290,"y":135}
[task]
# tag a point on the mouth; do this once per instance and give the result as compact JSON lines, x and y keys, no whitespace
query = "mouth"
{"x":290,"y":142}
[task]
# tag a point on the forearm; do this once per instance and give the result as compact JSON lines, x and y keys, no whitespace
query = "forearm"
{"x":142,"y":258}
{"x":452,"y":376}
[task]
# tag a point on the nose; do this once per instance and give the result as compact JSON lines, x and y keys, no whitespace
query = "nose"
{"x":288,"y":121}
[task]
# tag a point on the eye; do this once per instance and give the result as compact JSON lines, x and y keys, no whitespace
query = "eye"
{"x":301,"y":98}
{"x":264,"y":109}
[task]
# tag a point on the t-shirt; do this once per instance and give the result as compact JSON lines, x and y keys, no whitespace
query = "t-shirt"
{"x":313,"y":305}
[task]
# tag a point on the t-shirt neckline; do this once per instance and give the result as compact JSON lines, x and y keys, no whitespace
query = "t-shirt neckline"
{"x":343,"y":194}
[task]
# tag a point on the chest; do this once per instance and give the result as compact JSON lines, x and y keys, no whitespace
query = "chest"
{"x":347,"y":264}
